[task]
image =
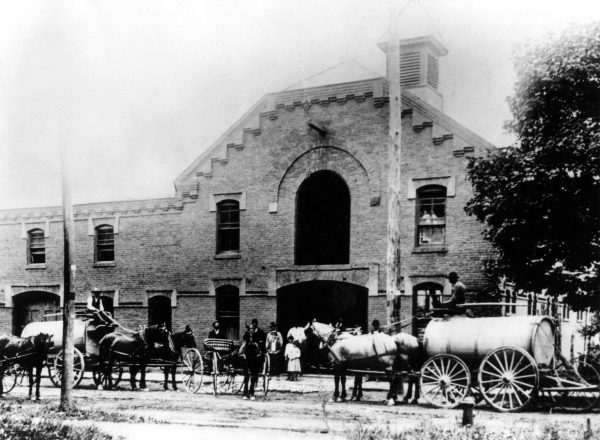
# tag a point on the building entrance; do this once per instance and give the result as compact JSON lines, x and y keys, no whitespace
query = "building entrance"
{"x":34,"y":307}
{"x":299,"y":303}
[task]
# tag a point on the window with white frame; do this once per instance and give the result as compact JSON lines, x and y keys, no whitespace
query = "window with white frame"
{"x":228,"y":226}
{"x":431,"y":215}
{"x":36,"y":247}
{"x":105,"y":243}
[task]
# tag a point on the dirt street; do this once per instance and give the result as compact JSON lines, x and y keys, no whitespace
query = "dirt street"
{"x":290,"y":410}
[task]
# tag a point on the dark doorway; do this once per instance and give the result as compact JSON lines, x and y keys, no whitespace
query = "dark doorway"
{"x":323,"y":220}
{"x":108,"y":304}
{"x":422,"y":305}
{"x":228,"y":311}
{"x":159,"y":310}
{"x":34,"y":307}
{"x":299,"y":303}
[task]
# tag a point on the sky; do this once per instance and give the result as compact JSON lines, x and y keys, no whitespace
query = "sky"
{"x":134,"y":91}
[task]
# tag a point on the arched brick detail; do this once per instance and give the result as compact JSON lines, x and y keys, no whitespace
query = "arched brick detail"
{"x":333,"y":159}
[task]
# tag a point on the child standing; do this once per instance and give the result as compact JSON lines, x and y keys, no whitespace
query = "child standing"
{"x":292,"y":356}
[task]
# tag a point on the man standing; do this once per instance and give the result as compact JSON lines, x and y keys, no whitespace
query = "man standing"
{"x":458,"y":296}
{"x":215,"y":333}
{"x":258,"y":336}
{"x":274,"y":346}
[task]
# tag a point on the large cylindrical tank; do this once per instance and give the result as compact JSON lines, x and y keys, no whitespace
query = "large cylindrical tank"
{"x":55,"y":328}
{"x":472,"y":338}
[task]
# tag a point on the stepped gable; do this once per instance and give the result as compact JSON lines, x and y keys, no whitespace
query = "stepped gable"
{"x":424,"y":116}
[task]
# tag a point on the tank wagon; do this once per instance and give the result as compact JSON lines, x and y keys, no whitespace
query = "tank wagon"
{"x":508,"y":361}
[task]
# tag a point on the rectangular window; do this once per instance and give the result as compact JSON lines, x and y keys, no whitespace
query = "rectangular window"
{"x":105,"y":243}
{"x":228,"y":226}
{"x":431,"y":221}
{"x":37,"y":247}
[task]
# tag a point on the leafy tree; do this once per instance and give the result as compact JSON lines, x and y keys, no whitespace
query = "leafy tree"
{"x":540,"y":199}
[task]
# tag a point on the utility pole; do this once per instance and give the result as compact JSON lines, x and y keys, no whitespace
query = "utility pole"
{"x":66,"y":388}
{"x":394,"y":159}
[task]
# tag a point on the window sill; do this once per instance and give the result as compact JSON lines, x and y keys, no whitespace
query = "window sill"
{"x":38,"y":266}
{"x":429,"y":249}
{"x":229,"y":255}
{"x":104,"y":264}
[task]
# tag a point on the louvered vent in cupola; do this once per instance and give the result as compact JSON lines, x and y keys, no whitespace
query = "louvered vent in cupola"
{"x":433,"y":71}
{"x":410,"y":69}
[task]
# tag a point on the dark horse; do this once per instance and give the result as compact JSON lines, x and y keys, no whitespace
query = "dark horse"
{"x":184,"y":339}
{"x":28,"y":353}
{"x":136,"y":349}
{"x":376,"y":352}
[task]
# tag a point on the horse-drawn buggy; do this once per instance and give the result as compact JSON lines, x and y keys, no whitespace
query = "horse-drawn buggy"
{"x":228,"y":360}
{"x":105,"y":348}
{"x":510,"y":362}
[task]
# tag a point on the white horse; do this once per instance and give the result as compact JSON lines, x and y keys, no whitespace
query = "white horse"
{"x":375,"y":352}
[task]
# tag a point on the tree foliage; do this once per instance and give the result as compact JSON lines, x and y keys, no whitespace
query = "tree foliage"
{"x":540,"y":199}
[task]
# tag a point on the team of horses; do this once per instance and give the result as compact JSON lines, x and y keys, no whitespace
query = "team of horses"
{"x":396,"y":356}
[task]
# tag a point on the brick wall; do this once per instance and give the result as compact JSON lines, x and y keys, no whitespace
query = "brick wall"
{"x":166,"y":248}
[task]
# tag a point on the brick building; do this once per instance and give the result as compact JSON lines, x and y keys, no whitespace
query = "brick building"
{"x":282,"y":218}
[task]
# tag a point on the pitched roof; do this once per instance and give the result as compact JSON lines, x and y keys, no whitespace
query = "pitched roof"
{"x":348,"y":71}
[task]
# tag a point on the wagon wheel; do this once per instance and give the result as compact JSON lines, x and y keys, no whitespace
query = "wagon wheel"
{"x":582,"y":382}
{"x":9,"y":380}
{"x":445,"y":381}
{"x":222,"y":378}
{"x":508,"y":378}
{"x":192,"y":368}
{"x":55,"y":368}
{"x":101,"y":376}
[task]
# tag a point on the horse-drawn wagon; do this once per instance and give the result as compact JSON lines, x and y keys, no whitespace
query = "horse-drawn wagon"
{"x":230,"y":359}
{"x":508,"y":361}
{"x":107,"y":367}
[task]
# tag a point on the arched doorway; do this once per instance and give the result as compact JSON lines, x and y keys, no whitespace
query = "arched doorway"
{"x":299,"y":303}
{"x":159,"y":310}
{"x":34,"y":307}
{"x":323,"y":220}
{"x":422,"y":304}
{"x":325,"y":301}
{"x":228,"y":311}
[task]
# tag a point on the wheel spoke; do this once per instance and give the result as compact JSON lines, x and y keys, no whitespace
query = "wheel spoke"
{"x":522,"y":369}
{"x":499,"y":363}
{"x":517,"y":396}
{"x":456,"y":365}
{"x":501,"y":373}
{"x":510,"y":397}
{"x":525,"y":384}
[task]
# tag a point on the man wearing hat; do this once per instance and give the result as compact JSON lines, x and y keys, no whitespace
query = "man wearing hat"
{"x":94,"y":306}
{"x":274,"y":346}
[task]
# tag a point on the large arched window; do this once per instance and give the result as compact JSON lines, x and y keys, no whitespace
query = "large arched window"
{"x":228,"y":311}
{"x":228,"y":226}
{"x":36,"y":247}
{"x":323,"y":220}
{"x":105,"y":243}
{"x":431,"y":215}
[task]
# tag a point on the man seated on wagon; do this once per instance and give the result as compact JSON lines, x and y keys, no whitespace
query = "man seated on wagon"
{"x":451,"y":307}
{"x":95,"y":308}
